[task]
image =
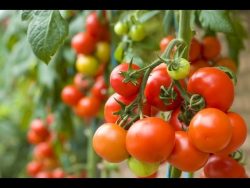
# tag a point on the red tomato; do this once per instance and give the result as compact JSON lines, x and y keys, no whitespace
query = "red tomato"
{"x":150,"y":140}
{"x":214,"y":85}
{"x":184,"y":150}
{"x":125,"y":89}
{"x":175,"y":122}
{"x":33,"y":168}
{"x":195,"y":50}
{"x":109,"y":142}
{"x":200,"y":63}
{"x":38,"y":126}
{"x":58,"y":173}
{"x":88,"y":107}
{"x":223,"y":167}
{"x":159,"y":77}
{"x":43,"y":174}
{"x":82,"y":82}
{"x":112,"y":106}
{"x":210,"y":47}
{"x":210,"y":130}
{"x":100,"y":89}
{"x":33,"y":138}
{"x":71,"y":95}
{"x":165,"y":41}
{"x":43,"y":150}
{"x":83,"y":43}
{"x":50,"y":119}
{"x":239,"y":133}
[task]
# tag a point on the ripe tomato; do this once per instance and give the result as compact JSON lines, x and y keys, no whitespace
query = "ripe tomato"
{"x":195,"y":50}
{"x":150,"y":140}
{"x":87,"y":65}
{"x":200,"y":63}
{"x":82,"y":82}
{"x":43,"y":150}
{"x":159,"y":77}
{"x":100,"y":89}
{"x":137,"y":32}
{"x":58,"y":173}
{"x":210,"y":130}
{"x":165,"y":41}
{"x":125,"y":89}
{"x":44,"y":174}
{"x":112,"y":106}
{"x":38,"y":126}
{"x":181,"y":72}
{"x":184,"y":149}
{"x":239,"y":133}
{"x":34,"y":138}
{"x":88,"y":106}
{"x":210,"y":47}
{"x":33,"y":168}
{"x":71,"y":95}
{"x":83,"y":43}
{"x":227,"y":62}
{"x":141,"y":168}
{"x":214,"y":85}
{"x":121,"y":28}
{"x":175,"y":122}
{"x":109,"y":142}
{"x":94,"y":26}
{"x":103,"y":51}
{"x":223,"y":167}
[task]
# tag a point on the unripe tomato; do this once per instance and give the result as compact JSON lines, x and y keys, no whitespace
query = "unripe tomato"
{"x":83,"y":43}
{"x":33,"y":168}
{"x":210,"y":47}
{"x":181,"y":72}
{"x":87,"y":65}
{"x":88,"y":107}
{"x":150,"y":140}
{"x":103,"y":51}
{"x":210,"y":130}
{"x":121,"y":28}
{"x":100,"y":89}
{"x":141,"y":168}
{"x":43,"y":150}
{"x":165,"y":41}
{"x":109,"y":142}
{"x":71,"y":95}
{"x":200,"y":63}
{"x":184,"y":149}
{"x":137,"y":32}
{"x":119,"y":52}
{"x":227,"y":62}
{"x":195,"y":50}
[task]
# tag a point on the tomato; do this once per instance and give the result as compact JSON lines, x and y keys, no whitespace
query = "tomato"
{"x":38,"y":126}
{"x":239,"y":133}
{"x":137,"y":32}
{"x":195,"y":50}
{"x":50,"y":119}
{"x":227,"y":62}
{"x":109,"y":142}
{"x":58,"y":173}
{"x":105,"y":35}
{"x":112,"y":106}
{"x":165,"y":41}
{"x":100,"y":88}
{"x":43,"y":150}
{"x":181,"y":72}
{"x":88,"y":65}
{"x":33,"y":168}
{"x":88,"y":107}
{"x":141,"y":168}
{"x":82,"y":82}
{"x":71,"y":95}
{"x":119,"y":52}
{"x":83,"y":43}
{"x":223,"y":167}
{"x":184,"y":150}
{"x":94,"y":26}
{"x":159,"y":77}
{"x":175,"y":122}
{"x":150,"y":140}
{"x":50,"y":163}
{"x":121,"y":28}
{"x":103,"y":51}
{"x":214,"y":85}
{"x":34,"y":138}
{"x":44,"y":174}
{"x":121,"y":87}
{"x":210,"y":47}
{"x":210,"y":130}
{"x":200,"y":63}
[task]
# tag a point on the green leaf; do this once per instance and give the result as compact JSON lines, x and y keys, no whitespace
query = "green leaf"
{"x":46,"y":33}
{"x":168,"y":21}
{"x":145,"y":17}
{"x":26,"y":14}
{"x":216,"y":20}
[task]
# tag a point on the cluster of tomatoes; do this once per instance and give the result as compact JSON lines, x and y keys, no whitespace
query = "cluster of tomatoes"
{"x":45,"y":163}
{"x":93,"y":53}
{"x":201,"y":131}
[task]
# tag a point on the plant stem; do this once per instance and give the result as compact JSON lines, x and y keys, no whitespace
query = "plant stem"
{"x":181,"y":90}
{"x":174,"y":172}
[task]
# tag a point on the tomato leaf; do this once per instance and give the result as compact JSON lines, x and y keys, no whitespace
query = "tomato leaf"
{"x":216,"y":20}
{"x":145,"y":17}
{"x":26,"y":14}
{"x":168,"y":21}
{"x":46,"y":32}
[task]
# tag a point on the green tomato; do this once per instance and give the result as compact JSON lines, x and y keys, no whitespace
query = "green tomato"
{"x":121,"y":28}
{"x":141,"y":168}
{"x":179,"y":70}
{"x":87,"y":65}
{"x":137,"y":32}
{"x":119,"y":52}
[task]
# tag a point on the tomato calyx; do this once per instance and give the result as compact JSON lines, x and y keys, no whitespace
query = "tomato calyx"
{"x":229,"y":72}
{"x":168,"y":94}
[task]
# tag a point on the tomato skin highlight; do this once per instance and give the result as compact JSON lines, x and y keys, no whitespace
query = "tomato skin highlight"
{"x":184,"y":150}
{"x":109,"y":142}
{"x":70,"y":95}
{"x":146,"y":140}
{"x":214,"y":85}
{"x":210,"y":130}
